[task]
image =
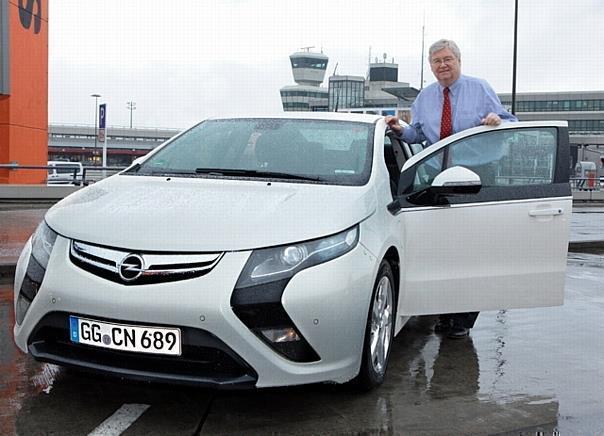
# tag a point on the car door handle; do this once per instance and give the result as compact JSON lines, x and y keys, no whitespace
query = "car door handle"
{"x":546,"y":212}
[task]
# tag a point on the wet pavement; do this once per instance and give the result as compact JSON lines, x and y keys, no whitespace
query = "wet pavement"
{"x":587,"y":224}
{"x":16,"y":226}
{"x":522,"y":372}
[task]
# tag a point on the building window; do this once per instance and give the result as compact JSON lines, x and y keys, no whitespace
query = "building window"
{"x":318,"y":64}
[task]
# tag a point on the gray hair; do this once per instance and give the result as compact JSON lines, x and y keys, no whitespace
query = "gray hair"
{"x":442,"y":44}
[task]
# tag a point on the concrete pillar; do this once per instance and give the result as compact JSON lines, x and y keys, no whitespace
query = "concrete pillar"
{"x":23,"y":88}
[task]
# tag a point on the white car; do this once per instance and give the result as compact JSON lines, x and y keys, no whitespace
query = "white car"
{"x":63,"y":173}
{"x":290,"y":250}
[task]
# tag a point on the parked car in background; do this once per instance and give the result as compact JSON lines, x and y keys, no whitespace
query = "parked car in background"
{"x":259,"y":252}
{"x":63,"y":173}
{"x":586,"y":176}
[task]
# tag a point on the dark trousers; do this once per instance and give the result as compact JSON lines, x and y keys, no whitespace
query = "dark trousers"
{"x":465,"y":320}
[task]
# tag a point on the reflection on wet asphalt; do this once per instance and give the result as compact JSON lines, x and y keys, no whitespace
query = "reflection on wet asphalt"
{"x":520,"y":372}
{"x":587,"y":224}
{"x":17,"y":226}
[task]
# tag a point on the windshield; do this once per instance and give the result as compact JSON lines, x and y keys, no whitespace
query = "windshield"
{"x":337,"y":152}
{"x":67,"y":169}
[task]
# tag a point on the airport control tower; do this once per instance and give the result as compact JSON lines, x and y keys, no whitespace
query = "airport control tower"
{"x":308,"y":69}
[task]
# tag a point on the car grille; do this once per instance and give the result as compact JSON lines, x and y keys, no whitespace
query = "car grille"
{"x":138,"y":268}
{"x":205,"y":359}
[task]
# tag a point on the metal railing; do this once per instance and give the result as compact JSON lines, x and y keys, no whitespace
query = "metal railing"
{"x":89,"y":174}
{"x":586,"y":183}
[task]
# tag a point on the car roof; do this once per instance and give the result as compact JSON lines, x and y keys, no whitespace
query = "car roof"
{"x":60,"y":162}
{"x":327,"y":116}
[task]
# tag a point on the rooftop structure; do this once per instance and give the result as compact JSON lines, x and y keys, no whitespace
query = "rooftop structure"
{"x":383,"y":76}
{"x":76,"y":143}
{"x":309,"y":71}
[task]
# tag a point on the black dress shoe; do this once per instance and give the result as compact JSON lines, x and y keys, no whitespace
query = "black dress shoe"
{"x":458,"y":332}
{"x":441,"y":327}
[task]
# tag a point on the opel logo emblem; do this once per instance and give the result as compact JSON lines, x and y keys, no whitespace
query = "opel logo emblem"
{"x":131,"y":267}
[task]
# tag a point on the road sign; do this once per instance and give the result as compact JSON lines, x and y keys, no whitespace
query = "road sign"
{"x":102,"y":115}
{"x":101,"y":135}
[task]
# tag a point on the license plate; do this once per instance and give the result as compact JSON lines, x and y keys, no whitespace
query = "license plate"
{"x":139,"y":339}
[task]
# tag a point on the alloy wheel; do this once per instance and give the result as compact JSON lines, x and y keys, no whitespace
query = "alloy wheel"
{"x":381,"y":325}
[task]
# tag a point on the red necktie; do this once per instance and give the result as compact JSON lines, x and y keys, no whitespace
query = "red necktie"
{"x":446,"y":124}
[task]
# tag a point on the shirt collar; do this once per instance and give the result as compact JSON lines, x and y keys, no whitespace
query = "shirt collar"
{"x":454,"y":87}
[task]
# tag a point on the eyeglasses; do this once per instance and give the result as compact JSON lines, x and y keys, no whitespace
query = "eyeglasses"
{"x":448,"y":60}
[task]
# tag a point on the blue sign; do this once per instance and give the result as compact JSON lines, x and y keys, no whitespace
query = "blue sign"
{"x":102,"y":115}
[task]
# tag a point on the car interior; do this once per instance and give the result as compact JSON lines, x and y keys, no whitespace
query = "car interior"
{"x":396,"y":154}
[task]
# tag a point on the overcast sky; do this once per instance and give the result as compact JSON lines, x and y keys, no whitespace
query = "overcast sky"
{"x":184,"y":60}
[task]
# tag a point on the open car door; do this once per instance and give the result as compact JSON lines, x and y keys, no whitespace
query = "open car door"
{"x":485,"y":219}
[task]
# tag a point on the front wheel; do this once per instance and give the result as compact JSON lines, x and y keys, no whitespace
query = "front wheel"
{"x":379,"y":330}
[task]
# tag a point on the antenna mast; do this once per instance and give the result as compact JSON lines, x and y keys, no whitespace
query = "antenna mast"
{"x":368,"y":64}
{"x":421,"y":84}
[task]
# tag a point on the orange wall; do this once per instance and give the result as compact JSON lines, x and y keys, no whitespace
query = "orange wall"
{"x":24,"y":112}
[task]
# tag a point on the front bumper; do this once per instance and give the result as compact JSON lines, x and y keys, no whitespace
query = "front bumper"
{"x":328,"y":304}
{"x":205,"y":360}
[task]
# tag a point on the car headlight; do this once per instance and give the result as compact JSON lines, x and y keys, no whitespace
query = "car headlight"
{"x":283,"y":262}
{"x":256,"y":299}
{"x":42,"y":243}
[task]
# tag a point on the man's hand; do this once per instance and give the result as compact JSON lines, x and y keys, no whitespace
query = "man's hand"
{"x":392,"y":122}
{"x":491,"y":119}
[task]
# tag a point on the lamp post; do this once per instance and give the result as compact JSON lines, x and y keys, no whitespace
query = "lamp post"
{"x":131,"y":105}
{"x":96,"y":107}
{"x":514,"y":60}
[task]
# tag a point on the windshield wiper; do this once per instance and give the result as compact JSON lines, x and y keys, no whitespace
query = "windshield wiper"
{"x":254,"y":173}
{"x":133,"y":169}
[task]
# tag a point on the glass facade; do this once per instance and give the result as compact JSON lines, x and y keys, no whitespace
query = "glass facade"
{"x":586,"y":126}
{"x":556,"y":105}
{"x":346,"y":93}
{"x":303,"y":62}
{"x":299,"y":100}
{"x":388,"y":74}
{"x":297,"y":106}
{"x":286,"y":95}
{"x":562,"y":106}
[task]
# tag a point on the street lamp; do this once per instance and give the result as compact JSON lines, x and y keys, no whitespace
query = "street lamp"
{"x":131,"y":105}
{"x":514,"y":60}
{"x":96,"y":107}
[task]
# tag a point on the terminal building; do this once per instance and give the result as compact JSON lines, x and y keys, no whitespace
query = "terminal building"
{"x":584,"y":112}
{"x":381,"y":93}
{"x":77,"y":143}
{"x":307,"y":95}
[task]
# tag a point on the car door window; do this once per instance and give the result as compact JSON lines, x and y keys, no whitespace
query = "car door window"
{"x":508,"y":157}
{"x":427,"y":171}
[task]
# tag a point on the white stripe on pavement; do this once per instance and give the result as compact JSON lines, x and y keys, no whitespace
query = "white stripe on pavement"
{"x":120,"y":420}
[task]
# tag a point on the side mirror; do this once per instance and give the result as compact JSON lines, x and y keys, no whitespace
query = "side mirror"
{"x":456,"y":180}
{"x":452,"y":181}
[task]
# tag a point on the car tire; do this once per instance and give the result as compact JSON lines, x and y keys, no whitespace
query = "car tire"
{"x":379,"y":331}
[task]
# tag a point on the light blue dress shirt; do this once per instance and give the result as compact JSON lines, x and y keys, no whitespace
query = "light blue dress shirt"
{"x":472,"y":99}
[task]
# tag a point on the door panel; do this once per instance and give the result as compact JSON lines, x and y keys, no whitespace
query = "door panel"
{"x":481,"y":257}
{"x":504,"y":247}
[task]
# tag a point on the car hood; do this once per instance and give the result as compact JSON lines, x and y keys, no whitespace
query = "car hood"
{"x":202,"y":214}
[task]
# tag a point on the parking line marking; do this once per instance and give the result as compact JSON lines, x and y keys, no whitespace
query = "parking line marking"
{"x":123,"y":418}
